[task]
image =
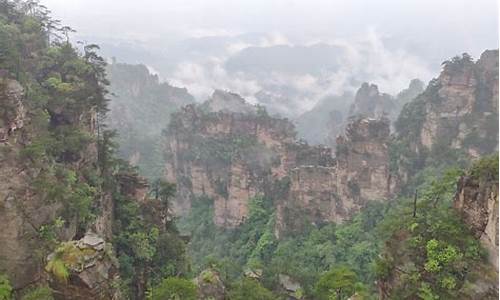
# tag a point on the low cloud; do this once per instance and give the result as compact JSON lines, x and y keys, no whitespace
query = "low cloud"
{"x":364,"y":58}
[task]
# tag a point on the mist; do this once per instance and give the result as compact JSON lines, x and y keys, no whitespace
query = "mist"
{"x":286,"y":55}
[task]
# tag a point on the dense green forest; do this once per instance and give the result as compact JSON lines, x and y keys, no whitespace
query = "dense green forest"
{"x":73,"y":162}
{"x":313,"y":256}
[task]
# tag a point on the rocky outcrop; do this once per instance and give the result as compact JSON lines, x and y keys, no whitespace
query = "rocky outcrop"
{"x":21,"y":212}
{"x":362,"y":160}
{"x":33,"y":216}
{"x":92,"y":270}
{"x":228,"y":102}
{"x":227,"y":156}
{"x":12,"y":112}
{"x":290,"y":287}
{"x":370,"y":102}
{"x":458,"y":110}
{"x":367,"y":102}
{"x":210,"y":285}
{"x":333,"y":190}
{"x":232,"y":157}
{"x":477,"y":203}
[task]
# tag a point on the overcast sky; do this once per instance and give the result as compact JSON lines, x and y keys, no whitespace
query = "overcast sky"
{"x":465,"y":23}
{"x":388,"y":42}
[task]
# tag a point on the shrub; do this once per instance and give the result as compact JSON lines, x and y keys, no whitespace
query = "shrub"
{"x":174,"y":288}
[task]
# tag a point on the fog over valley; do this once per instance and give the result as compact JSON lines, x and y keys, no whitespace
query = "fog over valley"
{"x":287,"y":55}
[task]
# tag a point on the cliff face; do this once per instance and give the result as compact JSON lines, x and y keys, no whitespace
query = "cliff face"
{"x":93,"y":269}
{"x":140,"y":108}
{"x":458,"y":110}
{"x":227,"y":156}
{"x":12,"y":112}
{"x":368,"y":102}
{"x":16,"y":227}
{"x":466,"y":91}
{"x":477,"y":203}
{"x":231,"y":157}
{"x":371,"y":103}
{"x":333,"y":190}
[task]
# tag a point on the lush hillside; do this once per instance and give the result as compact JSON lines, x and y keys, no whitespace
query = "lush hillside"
{"x":412,"y":243}
{"x":77,"y":222}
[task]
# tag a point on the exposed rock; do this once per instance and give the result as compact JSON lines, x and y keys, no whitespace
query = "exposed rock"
{"x":210,"y":285}
{"x":458,"y":110}
{"x":21,"y":211}
{"x":369,"y":102}
{"x":334,"y":190}
{"x":229,"y":102}
{"x":477,"y":202}
{"x":93,"y":270}
{"x":291,"y":287}
{"x":362,"y":160}
{"x":232,"y":157}
{"x":253,"y":274}
{"x":224,"y":155}
{"x":12,"y":112}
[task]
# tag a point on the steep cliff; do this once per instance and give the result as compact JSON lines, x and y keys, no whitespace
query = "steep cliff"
{"x":371,"y":103}
{"x":333,"y":190}
{"x":477,"y":203}
{"x":328,"y":119}
{"x":433,"y":251}
{"x":455,"y":118}
{"x":140,"y":109}
{"x":228,"y":156}
{"x":64,"y":195}
{"x":232,"y":157}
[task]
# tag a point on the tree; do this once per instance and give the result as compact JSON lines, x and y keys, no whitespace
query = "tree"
{"x":250,"y":289}
{"x":5,"y":288}
{"x":163,"y":191}
{"x":174,"y":288}
{"x":337,"y":283}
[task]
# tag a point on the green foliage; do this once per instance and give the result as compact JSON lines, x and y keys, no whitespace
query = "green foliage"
{"x":174,"y":288}
{"x":486,"y":168}
{"x":38,"y":293}
{"x":5,"y":288}
{"x":144,"y":247}
{"x":65,"y":96}
{"x":250,"y":289}
{"x":337,"y":283}
{"x":302,"y":256}
{"x":66,"y":256}
{"x":435,"y":249}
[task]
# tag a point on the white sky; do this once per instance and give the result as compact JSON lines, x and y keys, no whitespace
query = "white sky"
{"x":411,"y":37}
{"x":466,"y":22}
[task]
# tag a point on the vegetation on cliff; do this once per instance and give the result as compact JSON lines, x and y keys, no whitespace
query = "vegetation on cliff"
{"x":69,"y":166}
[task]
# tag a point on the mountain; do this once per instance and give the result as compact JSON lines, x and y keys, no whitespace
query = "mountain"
{"x":320,"y":124}
{"x":76,"y":221}
{"x":140,"y":108}
{"x":323,"y":123}
{"x":403,"y":206}
{"x":455,"y":118}
{"x":286,"y":209}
